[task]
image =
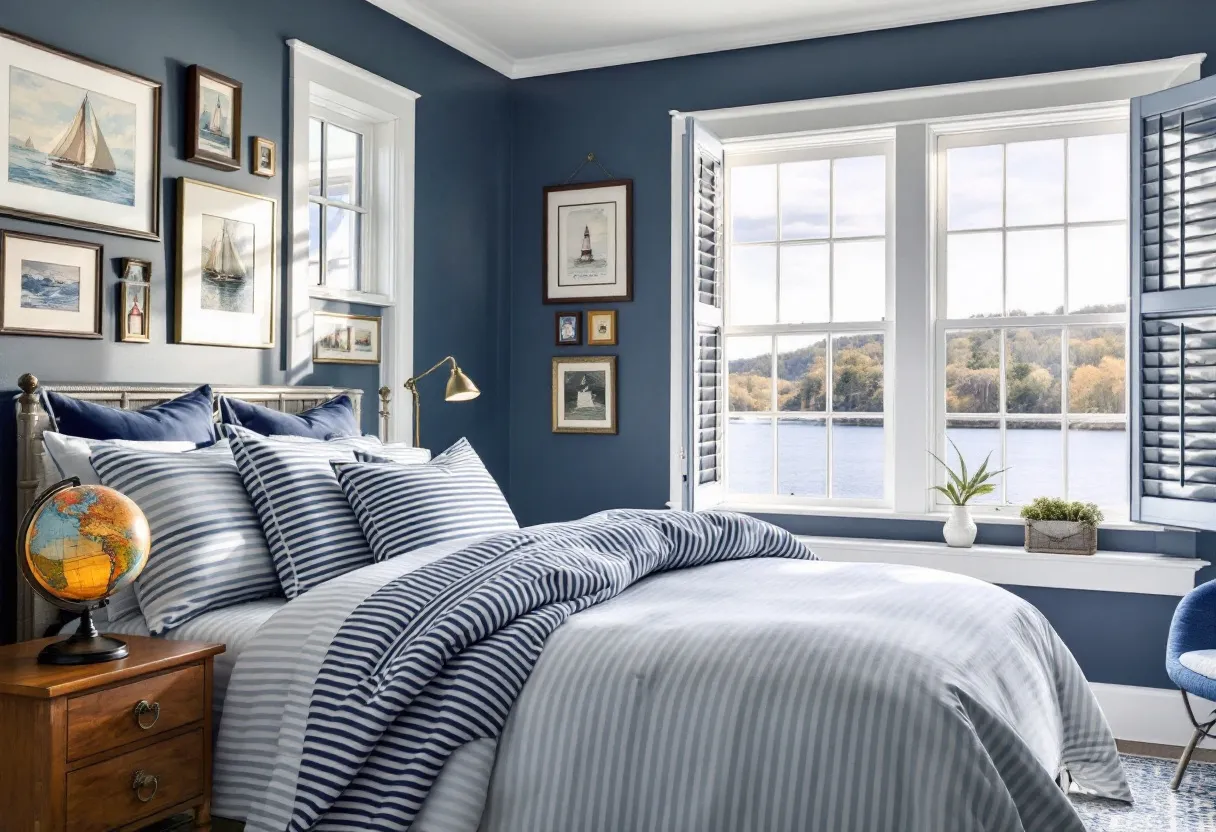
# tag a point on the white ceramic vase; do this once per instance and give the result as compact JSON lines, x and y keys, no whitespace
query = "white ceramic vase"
{"x":959,"y":530}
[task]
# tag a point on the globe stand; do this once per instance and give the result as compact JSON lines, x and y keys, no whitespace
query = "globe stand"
{"x":85,"y":646}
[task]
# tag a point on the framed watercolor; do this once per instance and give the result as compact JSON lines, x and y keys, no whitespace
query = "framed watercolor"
{"x":601,"y":327}
{"x":588,"y":242}
{"x":213,"y":119}
{"x":83,"y":146}
{"x":134,"y":312}
{"x":227,"y":243}
{"x":49,"y":286}
{"x":584,"y":394}
{"x":265,"y":157}
{"x":345,"y":339}
{"x":566,"y":326}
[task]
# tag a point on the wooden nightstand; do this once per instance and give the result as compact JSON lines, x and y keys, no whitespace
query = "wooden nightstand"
{"x":116,"y":745}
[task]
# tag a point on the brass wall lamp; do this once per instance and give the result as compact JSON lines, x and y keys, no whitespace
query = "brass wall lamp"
{"x":460,"y":389}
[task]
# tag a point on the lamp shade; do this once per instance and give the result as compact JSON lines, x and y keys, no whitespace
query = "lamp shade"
{"x":460,"y":387}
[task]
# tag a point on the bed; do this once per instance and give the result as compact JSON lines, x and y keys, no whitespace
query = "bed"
{"x":649,"y":670}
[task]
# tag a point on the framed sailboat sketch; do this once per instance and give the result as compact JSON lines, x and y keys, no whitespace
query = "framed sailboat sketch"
{"x":584,"y":394}
{"x":226,"y":247}
{"x":213,"y":119}
{"x":589,"y":242}
{"x":83,"y":141}
{"x":49,"y":286}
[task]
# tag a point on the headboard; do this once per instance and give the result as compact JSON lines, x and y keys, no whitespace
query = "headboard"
{"x":33,"y":614}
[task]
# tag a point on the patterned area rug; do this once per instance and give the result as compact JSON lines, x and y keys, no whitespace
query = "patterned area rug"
{"x":1157,"y":809}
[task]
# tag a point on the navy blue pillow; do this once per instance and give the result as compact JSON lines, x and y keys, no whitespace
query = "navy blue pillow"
{"x":187,"y":418}
{"x":336,"y":416}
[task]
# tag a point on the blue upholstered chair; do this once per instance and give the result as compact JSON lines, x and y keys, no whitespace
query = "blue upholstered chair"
{"x":1191,"y":661}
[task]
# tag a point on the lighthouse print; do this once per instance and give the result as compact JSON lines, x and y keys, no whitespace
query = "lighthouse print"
{"x":588,"y":250}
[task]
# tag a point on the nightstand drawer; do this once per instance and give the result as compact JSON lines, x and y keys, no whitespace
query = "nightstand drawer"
{"x":146,"y":707}
{"x":135,"y":785}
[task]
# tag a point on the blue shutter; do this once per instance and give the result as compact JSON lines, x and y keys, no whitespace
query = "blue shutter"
{"x":1173,"y":337}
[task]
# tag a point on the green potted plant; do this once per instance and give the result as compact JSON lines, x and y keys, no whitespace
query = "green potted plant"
{"x":960,"y":488}
{"x":1057,"y":526}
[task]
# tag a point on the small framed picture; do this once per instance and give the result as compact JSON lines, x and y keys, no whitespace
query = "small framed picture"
{"x":584,"y":394}
{"x":213,"y":119}
{"x":49,"y":286}
{"x":589,"y":242}
{"x":345,"y":339}
{"x":566,"y":329}
{"x":134,"y":318}
{"x":601,"y":327}
{"x":265,"y":157}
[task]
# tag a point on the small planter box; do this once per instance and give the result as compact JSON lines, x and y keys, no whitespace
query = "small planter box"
{"x":1061,"y":537}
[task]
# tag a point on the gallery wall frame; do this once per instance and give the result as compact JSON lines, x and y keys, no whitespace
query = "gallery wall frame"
{"x":49,"y":311}
{"x":349,"y":347}
{"x":602,"y":271}
{"x":204,"y":145}
{"x":584,"y":392}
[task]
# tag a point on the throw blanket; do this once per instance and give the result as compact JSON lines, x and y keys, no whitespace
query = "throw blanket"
{"x":437,"y":658}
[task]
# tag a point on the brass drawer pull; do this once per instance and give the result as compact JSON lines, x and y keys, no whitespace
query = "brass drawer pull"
{"x":140,"y":784}
{"x":142,"y":709}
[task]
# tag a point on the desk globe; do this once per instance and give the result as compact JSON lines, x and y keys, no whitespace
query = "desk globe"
{"x":78,"y":545}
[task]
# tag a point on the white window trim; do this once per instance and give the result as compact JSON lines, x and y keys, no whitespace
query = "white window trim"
{"x":318,"y":77}
{"x":917,"y":116}
{"x":1142,"y":574}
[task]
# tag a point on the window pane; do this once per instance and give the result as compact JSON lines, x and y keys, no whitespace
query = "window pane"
{"x":1097,"y":369}
{"x":859,"y":281}
{"x":314,"y":243}
{"x":805,"y":200}
{"x":857,"y":373}
{"x":1097,"y":463}
{"x":976,"y":439}
{"x":974,"y":187}
{"x":974,"y":271}
{"x":804,"y":283}
{"x":1032,"y":370}
{"x":1034,"y":174}
{"x":342,"y":248}
{"x":314,"y":156}
{"x":802,"y":369}
{"x":749,"y":460}
{"x":860,"y":197}
{"x":343,"y":165}
{"x":802,"y":457}
{"x":753,"y":285}
{"x":973,"y":371}
{"x":753,"y":204}
{"x":750,"y":365}
{"x":1097,"y":178}
{"x":859,"y":453}
{"x":1034,"y":452}
{"x":1034,"y":276}
{"x":1097,"y":269}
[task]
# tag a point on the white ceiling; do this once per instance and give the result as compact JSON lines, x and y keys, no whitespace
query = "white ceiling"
{"x":521,"y":38}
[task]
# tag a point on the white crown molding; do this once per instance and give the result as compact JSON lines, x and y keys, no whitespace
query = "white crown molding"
{"x":437,"y":25}
{"x":455,"y":36}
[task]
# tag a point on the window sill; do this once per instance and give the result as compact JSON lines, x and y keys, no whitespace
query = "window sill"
{"x":1143,"y":574}
{"x":980,"y":517}
{"x":350,"y":296}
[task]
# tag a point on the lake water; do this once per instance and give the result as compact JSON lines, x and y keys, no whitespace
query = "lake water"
{"x":29,"y":167}
{"x":1097,"y":461}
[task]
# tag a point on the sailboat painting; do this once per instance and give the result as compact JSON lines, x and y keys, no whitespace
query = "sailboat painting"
{"x":71,"y":140}
{"x":228,"y":267}
{"x":215,"y":118}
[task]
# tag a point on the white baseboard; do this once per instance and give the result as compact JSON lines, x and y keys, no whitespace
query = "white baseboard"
{"x":1153,"y":715}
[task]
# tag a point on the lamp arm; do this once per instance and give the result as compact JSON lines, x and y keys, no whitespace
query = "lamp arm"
{"x":411,"y":384}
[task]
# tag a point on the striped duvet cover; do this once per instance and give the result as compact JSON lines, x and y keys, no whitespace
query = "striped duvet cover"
{"x":749,"y":693}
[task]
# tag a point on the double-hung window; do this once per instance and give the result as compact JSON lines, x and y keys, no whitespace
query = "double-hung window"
{"x":1032,"y":291}
{"x":340,"y":198}
{"x":808,"y":318}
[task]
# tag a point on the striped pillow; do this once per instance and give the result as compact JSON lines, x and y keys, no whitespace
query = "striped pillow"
{"x":312,"y":532}
{"x":208,"y":550}
{"x":407,"y":507}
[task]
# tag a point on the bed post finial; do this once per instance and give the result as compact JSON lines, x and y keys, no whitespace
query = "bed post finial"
{"x":386,"y":394}
{"x":28,"y":384}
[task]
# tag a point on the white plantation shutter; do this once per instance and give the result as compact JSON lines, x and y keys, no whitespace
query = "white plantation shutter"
{"x":1173,"y":335}
{"x":704,"y":456}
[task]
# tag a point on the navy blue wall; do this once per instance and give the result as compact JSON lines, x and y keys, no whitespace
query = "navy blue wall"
{"x":621,"y":113}
{"x":462,"y":224}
